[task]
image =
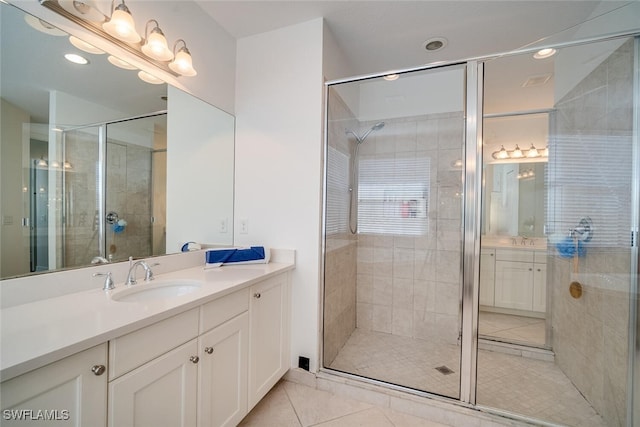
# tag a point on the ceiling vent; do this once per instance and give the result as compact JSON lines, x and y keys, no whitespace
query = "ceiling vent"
{"x":537,"y":80}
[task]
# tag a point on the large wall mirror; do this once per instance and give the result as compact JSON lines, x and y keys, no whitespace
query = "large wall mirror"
{"x":99,"y":163}
{"x":515,"y":166}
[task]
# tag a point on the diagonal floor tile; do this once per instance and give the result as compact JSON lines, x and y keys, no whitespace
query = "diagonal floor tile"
{"x":274,"y":410}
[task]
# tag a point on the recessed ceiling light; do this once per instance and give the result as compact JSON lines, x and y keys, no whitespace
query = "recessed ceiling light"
{"x":434,"y":44}
{"x":83,"y":45}
{"x":76,"y":59}
{"x":149,"y":78}
{"x":391,"y":77}
{"x":120,"y":63}
{"x":544,"y":53}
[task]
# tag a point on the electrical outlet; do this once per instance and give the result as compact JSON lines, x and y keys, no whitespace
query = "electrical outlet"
{"x":244,"y":226}
{"x":223,"y":225}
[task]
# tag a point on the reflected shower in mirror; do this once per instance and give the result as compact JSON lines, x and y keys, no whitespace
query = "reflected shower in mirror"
{"x":85,"y":153}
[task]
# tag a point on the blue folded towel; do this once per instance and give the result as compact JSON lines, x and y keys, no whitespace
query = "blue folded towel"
{"x":567,"y":248}
{"x":252,"y":255}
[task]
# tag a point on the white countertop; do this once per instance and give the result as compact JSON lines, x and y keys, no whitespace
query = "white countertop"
{"x":38,"y":333}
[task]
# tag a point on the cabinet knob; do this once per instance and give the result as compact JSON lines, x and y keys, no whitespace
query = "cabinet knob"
{"x":257,"y":295}
{"x":531,"y":269}
{"x":194,"y":359}
{"x":208,"y":350}
{"x":538,"y":269}
{"x":98,"y":369}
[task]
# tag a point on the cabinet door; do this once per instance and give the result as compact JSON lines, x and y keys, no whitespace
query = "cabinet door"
{"x":269,"y":336}
{"x":514,"y":285}
{"x":540,"y":287}
{"x":65,"y":393}
{"x":222,"y":380}
{"x":487,"y":276}
{"x":161,"y":392}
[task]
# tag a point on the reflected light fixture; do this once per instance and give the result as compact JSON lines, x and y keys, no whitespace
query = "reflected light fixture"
{"x":149,"y":78}
{"x":155,"y":45}
{"x":544,"y":53}
{"x":76,"y":59}
{"x":84,"y":46}
{"x":121,"y":25}
{"x":182,"y":63}
{"x":391,"y":77}
{"x":120,"y":63}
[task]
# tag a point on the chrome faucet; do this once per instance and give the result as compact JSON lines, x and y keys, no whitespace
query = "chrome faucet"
{"x":131,"y":276}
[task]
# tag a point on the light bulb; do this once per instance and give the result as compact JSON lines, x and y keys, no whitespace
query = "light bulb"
{"x":517,"y":153}
{"x":182,"y":64}
{"x":121,"y":25}
{"x":533,"y":152}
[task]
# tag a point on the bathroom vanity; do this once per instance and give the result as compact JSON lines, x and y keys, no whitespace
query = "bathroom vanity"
{"x":202,"y":358}
{"x":513,"y":280}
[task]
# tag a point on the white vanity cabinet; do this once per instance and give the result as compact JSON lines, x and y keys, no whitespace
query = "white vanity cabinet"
{"x":194,"y":369}
{"x":153,"y":374}
{"x":71,"y":391}
{"x":206,"y":367}
{"x":269,"y":345}
{"x":223,"y":368}
{"x":520,"y":280}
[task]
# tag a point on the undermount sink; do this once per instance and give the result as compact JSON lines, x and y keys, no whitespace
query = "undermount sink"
{"x":144,"y":292}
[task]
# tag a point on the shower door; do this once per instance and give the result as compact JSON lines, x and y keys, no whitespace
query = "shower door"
{"x":393,"y":229}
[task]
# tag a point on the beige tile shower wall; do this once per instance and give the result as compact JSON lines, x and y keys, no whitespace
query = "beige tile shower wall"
{"x":590,"y":334}
{"x":81,"y":227}
{"x":340,"y":251}
{"x":129,"y":194}
{"x":410,"y":285}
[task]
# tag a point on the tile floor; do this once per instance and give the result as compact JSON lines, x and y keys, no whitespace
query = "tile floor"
{"x":294,"y":405}
{"x":509,"y":328}
{"x":526,"y":386}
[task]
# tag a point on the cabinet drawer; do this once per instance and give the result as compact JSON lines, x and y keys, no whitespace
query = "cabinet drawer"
{"x":132,"y":350}
{"x":515,"y":255}
{"x":219,"y":311}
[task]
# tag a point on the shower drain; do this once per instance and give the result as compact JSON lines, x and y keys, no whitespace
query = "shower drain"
{"x":444,"y":370}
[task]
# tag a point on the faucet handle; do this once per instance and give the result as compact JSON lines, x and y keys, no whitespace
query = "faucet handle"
{"x":148,"y":274}
{"x":108,"y":281}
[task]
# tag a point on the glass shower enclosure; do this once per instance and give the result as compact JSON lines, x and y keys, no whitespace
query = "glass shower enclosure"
{"x":481,"y":232}
{"x":103,"y":199}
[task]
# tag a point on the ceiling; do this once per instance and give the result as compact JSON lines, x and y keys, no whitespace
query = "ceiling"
{"x":378,"y":36}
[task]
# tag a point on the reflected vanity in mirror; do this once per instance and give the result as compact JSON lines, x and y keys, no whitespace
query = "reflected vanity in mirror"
{"x":91,"y":154}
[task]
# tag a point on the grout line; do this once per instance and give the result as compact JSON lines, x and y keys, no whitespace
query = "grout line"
{"x":295,"y":411}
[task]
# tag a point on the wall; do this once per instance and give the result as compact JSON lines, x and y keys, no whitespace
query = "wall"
{"x":409,"y":285}
{"x":278,"y":160}
{"x":200,"y":164}
{"x":590,"y":175}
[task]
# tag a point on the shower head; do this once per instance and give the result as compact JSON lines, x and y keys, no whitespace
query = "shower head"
{"x":360,"y":139}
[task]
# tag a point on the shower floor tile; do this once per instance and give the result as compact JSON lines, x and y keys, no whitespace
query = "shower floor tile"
{"x":524,"y":386}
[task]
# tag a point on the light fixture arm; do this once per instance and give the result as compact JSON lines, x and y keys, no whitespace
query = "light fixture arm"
{"x":156,"y":28}
{"x":182,"y":49}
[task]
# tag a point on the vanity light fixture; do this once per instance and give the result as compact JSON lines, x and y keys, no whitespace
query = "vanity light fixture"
{"x":84,"y":46}
{"x":391,"y":77}
{"x":517,"y":153}
{"x":155,"y":45}
{"x":502,"y":154}
{"x":182,"y":63}
{"x":76,"y":59}
{"x":119,"y":29}
{"x":121,"y":25}
{"x":533,"y":152}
